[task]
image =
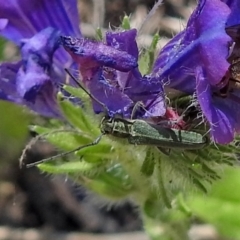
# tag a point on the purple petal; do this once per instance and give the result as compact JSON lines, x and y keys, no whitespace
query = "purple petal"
{"x":114,"y":99}
{"x":36,"y":15}
{"x":3,"y":23}
{"x":155,"y":107}
{"x":37,"y":55}
{"x":147,"y":90}
{"x":8,"y":91}
{"x":193,"y":47}
{"x":219,"y":116}
{"x":234,"y":17}
{"x":124,"y":41}
{"x":26,"y":18}
{"x":45,"y":102}
{"x":233,"y":104}
{"x":140,"y":88}
{"x":90,"y":54}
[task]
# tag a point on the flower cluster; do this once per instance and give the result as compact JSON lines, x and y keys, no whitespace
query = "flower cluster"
{"x":35,"y":28}
{"x":201,"y":61}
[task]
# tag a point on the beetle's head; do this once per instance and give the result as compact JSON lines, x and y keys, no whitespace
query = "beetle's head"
{"x":106,"y":125}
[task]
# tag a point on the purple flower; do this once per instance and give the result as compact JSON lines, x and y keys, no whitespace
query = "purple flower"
{"x":3,"y":23}
{"x":35,"y":26}
{"x":200,"y":60}
{"x":110,"y":71}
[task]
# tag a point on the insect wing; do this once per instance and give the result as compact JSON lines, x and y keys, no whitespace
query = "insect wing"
{"x":144,"y":133}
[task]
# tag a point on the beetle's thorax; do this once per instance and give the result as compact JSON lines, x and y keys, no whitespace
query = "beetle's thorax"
{"x":116,"y":127}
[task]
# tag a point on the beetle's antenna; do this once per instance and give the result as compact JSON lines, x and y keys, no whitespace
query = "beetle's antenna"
{"x":84,"y":89}
{"x":33,"y":141}
{"x":95,"y":142}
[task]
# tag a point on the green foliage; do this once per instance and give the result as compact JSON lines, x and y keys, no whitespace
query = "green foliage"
{"x":126,"y":23}
{"x":2,"y":44}
{"x":147,"y":57}
{"x":13,"y":129}
{"x":79,"y":167}
{"x":112,"y":184}
{"x":63,"y":139}
{"x":99,"y":35}
{"x":221,"y":207}
{"x":148,"y":163}
{"x":116,"y":169}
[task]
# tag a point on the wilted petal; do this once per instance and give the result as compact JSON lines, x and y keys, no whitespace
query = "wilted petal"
{"x":90,"y":54}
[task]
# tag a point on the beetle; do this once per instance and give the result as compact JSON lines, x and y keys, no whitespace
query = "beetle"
{"x":137,"y":132}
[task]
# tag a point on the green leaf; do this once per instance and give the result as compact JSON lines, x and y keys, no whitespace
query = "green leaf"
{"x":225,"y":216}
{"x":2,"y":45}
{"x":152,"y":51}
{"x":41,"y":130}
{"x":77,"y":117}
{"x":146,"y":59}
{"x":63,"y":139}
{"x":113,"y":184}
{"x":182,"y":205}
{"x":221,"y":206}
{"x":227,"y":186}
{"x":144,"y":62}
{"x":109,"y":186}
{"x":13,"y":129}
{"x":150,"y":206}
{"x":148,"y":164}
{"x":154,"y":43}
{"x":76,"y":92}
{"x":126,"y":23}
{"x":80,"y":167}
{"x":100,"y":150}
{"x":99,"y":35}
